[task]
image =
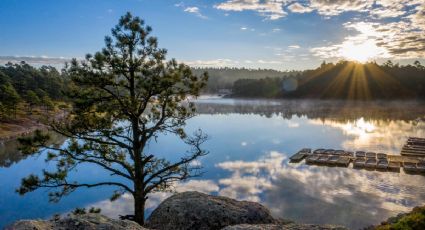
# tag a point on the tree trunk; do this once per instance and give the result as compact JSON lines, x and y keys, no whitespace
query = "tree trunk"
{"x":139,"y":208}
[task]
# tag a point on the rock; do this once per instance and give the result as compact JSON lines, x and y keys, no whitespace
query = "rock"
{"x":89,"y":221}
{"x":291,"y":226}
{"x":194,"y":210}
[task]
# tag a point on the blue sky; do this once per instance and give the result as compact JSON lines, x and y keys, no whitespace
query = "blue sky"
{"x":278,"y":34}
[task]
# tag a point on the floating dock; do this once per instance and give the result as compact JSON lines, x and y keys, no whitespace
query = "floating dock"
{"x":411,"y":158}
{"x":415,"y":147}
{"x":300,"y":155}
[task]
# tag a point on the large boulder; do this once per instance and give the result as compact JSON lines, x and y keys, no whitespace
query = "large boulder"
{"x":89,"y":221}
{"x":194,"y":210}
{"x":292,"y":226}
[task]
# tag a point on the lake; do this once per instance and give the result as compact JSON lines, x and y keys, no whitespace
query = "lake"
{"x":249,"y":144}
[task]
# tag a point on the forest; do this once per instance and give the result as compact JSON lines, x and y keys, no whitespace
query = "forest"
{"x":22,"y":83}
{"x":224,"y":78}
{"x":342,"y":80}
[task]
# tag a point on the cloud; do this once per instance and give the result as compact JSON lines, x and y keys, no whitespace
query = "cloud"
{"x":212,"y":63}
{"x":298,"y":8}
{"x":274,"y":9}
{"x":195,"y":10}
{"x":294,"y":47}
{"x":336,"y":7}
{"x":404,"y":39}
{"x":35,"y":60}
{"x":245,"y":28}
{"x":271,"y":9}
{"x":391,"y":8}
{"x":268,"y":62}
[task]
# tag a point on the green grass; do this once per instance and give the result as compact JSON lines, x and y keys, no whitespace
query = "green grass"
{"x":414,"y":220}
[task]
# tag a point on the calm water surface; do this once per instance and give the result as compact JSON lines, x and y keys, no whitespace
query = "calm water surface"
{"x":250,"y":142}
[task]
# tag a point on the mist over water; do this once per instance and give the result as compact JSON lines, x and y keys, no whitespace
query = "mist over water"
{"x":250,"y":143}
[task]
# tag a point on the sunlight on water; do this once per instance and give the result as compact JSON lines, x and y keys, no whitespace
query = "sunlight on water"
{"x":250,"y":143}
{"x":359,"y":127}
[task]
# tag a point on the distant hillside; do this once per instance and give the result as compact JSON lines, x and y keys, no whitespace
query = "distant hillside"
{"x":223,"y":78}
{"x":344,"y":80}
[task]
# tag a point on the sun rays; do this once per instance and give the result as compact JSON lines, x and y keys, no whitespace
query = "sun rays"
{"x":353,"y":81}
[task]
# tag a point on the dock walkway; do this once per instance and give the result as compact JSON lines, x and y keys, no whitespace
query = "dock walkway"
{"x":411,"y":158}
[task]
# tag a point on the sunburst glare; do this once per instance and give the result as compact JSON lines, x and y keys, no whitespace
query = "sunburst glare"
{"x":361,"y":52}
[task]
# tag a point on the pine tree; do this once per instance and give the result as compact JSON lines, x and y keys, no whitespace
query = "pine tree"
{"x":124,"y":97}
{"x":32,"y":99}
{"x":9,"y":98}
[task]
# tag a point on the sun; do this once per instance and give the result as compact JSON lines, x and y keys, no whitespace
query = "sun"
{"x":361,"y":52}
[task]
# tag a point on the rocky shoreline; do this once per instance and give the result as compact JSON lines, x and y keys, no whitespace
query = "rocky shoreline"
{"x":182,"y":211}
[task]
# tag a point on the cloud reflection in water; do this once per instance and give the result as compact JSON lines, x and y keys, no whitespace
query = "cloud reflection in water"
{"x":354,"y":198}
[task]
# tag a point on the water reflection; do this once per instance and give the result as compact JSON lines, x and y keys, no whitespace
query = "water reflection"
{"x":124,"y":205}
{"x":304,"y":193}
{"x":325,"y":195}
{"x":250,"y":142}
{"x":10,"y":155}
{"x":375,"y":135}
{"x":341,"y":111}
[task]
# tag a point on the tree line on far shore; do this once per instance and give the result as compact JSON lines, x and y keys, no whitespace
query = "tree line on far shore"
{"x":40,"y":87}
{"x":224,"y":78}
{"x":342,"y":80}
{"x":23,"y":83}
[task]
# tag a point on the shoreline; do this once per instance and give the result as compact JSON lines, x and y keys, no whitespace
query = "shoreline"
{"x":25,"y":124}
{"x":22,"y":126}
{"x":21,"y":133}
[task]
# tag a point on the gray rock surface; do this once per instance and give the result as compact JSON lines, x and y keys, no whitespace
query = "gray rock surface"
{"x":194,"y":210}
{"x":76,"y":222}
{"x":292,"y":226}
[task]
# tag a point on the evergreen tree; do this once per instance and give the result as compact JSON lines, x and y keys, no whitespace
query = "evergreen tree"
{"x":47,"y":103}
{"x":124,"y":97}
{"x":32,"y":99}
{"x":9,"y":97}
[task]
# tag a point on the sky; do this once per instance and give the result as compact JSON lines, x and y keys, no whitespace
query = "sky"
{"x":275,"y":34}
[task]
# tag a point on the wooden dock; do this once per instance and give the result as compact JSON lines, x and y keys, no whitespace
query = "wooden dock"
{"x":411,"y":158}
{"x":300,"y":155}
{"x":414,"y":147}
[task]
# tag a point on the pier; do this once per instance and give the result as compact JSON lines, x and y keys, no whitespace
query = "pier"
{"x":411,"y":158}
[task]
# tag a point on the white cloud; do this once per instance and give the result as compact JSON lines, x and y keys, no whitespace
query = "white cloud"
{"x":274,"y":9}
{"x":196,"y":11}
{"x":180,"y":4}
{"x":294,"y":47}
{"x":298,"y":8}
{"x":404,"y":39}
{"x":35,"y":60}
{"x":271,"y":9}
{"x":391,"y":8}
{"x":212,"y":63}
{"x":268,"y":62}
{"x":336,"y":7}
